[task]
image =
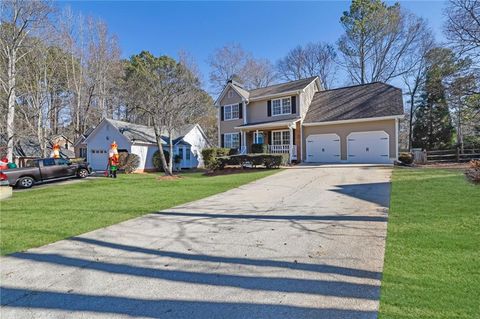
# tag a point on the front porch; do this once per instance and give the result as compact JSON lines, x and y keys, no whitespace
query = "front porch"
{"x":282,"y":139}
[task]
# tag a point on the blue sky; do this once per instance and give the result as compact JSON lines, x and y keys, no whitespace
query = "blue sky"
{"x":267,"y":29}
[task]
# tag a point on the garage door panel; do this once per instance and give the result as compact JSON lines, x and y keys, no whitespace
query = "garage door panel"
{"x":368,"y":147}
{"x":323,"y":148}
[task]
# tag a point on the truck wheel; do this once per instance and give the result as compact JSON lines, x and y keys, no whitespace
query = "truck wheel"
{"x":82,"y":173}
{"x":25,"y":182}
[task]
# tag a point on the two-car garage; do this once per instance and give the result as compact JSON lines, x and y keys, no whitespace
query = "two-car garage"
{"x":361,"y":147}
{"x":355,"y":124}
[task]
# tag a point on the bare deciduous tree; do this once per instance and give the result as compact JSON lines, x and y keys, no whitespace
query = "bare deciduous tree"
{"x":232,"y":62}
{"x":258,"y":73}
{"x":19,"y":19}
{"x":462,"y":27}
{"x":414,"y":79}
{"x":377,"y":38}
{"x":313,"y":59}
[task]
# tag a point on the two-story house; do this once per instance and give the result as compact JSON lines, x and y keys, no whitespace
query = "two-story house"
{"x":355,"y":124}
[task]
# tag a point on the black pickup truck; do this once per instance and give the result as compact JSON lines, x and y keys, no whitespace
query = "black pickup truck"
{"x":44,"y":170}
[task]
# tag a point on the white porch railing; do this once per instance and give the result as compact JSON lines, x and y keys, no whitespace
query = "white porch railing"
{"x":284,"y":149}
{"x":278,"y":148}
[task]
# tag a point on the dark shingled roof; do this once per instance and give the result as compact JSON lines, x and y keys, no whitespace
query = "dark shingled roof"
{"x":281,"y":88}
{"x":146,"y":134}
{"x":355,"y":102}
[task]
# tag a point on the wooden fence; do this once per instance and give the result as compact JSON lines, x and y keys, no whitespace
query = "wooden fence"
{"x":453,"y":155}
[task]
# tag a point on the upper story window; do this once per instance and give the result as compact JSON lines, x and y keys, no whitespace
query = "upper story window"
{"x":282,"y":106}
{"x":231,"y":112}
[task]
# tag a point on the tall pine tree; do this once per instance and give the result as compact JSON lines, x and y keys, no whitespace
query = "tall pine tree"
{"x":433,"y":127}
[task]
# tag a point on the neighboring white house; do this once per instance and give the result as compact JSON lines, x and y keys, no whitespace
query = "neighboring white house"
{"x":188,"y":140}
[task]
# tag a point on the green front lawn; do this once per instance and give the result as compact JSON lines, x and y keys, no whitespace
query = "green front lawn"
{"x":40,"y":216}
{"x":432,"y":259}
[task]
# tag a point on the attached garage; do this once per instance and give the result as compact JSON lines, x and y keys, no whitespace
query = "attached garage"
{"x":359,"y":123}
{"x":323,"y":148}
{"x":368,"y":147}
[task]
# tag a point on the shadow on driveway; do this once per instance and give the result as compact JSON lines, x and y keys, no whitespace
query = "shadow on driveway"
{"x":160,"y":308}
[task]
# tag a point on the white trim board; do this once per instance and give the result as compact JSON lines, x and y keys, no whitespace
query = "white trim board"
{"x":370,"y":119}
{"x":286,"y":123}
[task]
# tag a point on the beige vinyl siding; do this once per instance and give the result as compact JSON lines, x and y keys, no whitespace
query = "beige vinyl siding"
{"x":344,"y":129}
{"x":234,"y":99}
{"x":306,"y":97}
{"x":228,"y":126}
{"x":257,"y":112}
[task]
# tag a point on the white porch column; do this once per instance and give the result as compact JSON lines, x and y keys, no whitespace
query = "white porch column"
{"x":244,"y":142}
{"x":290,"y":129}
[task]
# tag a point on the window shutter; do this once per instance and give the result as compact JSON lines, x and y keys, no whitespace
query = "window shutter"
{"x":240,"y":139}
{"x":294,"y":104}
{"x":221,"y":114}
{"x":270,"y":139}
{"x":222,"y":140}
{"x":269,"y":108}
{"x":293,"y":137}
{"x":240,"y":111}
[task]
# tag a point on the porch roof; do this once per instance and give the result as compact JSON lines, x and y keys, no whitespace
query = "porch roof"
{"x":268,"y":124}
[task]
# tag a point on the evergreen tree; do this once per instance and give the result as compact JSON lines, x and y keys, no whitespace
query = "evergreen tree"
{"x":433,"y":127}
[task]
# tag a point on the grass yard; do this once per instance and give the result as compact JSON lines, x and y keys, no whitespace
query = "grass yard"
{"x":40,"y":216}
{"x":432,"y":260}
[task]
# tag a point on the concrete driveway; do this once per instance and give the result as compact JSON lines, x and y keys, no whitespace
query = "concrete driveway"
{"x":307,"y":242}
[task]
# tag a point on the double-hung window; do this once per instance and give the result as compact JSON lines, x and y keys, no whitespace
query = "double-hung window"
{"x":282,"y":106}
{"x":280,"y":137}
{"x":231,"y":112}
{"x":231,"y":140}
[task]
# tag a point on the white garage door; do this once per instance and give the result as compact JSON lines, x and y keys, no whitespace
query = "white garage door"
{"x":323,"y":148}
{"x":368,"y":147}
{"x":98,"y":159}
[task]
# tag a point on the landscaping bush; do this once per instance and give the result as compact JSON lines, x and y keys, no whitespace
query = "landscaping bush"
{"x":406,"y":158}
{"x":259,"y":148}
{"x":239,"y":159}
{"x":210,"y":156}
{"x":269,"y":160}
{"x":473,"y":172}
{"x":157,"y":162}
{"x":232,"y":151}
{"x":128,"y":162}
{"x":273,"y":160}
{"x":257,"y":159}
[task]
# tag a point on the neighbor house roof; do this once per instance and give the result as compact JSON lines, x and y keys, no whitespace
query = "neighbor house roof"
{"x":146,"y":134}
{"x":28,"y":147}
{"x":355,"y":102}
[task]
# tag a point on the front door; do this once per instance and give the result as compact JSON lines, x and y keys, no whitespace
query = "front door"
{"x":258,"y":137}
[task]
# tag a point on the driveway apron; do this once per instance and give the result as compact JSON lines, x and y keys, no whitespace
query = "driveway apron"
{"x":307,"y":242}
